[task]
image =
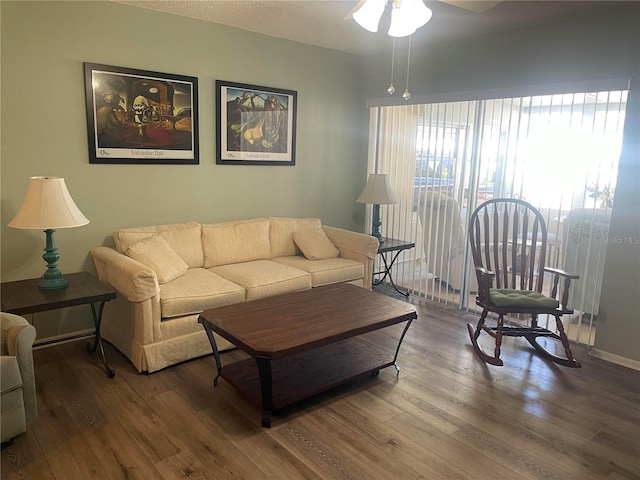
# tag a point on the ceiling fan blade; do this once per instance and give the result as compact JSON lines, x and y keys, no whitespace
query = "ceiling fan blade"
{"x":349,"y":15}
{"x":477,"y":6}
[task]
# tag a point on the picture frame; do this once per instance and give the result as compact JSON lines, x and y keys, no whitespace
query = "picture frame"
{"x":256,"y":125}
{"x":140,"y":117}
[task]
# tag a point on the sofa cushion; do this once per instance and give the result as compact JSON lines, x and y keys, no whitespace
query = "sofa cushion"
{"x":314,"y":244}
{"x":184,"y":238}
{"x":235,"y":242}
{"x":264,"y":278}
{"x":281,"y":234}
{"x":326,"y":272}
{"x":507,"y":297}
{"x":155,"y":253}
{"x":197,"y":290}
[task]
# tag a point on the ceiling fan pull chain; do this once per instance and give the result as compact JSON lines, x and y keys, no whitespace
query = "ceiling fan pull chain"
{"x":406,"y":95}
{"x":391,"y":90}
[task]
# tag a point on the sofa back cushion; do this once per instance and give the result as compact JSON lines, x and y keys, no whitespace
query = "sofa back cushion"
{"x":184,"y":238}
{"x":281,"y":234}
{"x":235,"y":242}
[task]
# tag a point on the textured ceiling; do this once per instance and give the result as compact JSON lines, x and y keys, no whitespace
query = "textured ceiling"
{"x":323,"y":22}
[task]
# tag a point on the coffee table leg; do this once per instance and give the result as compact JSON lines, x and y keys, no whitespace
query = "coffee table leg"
{"x":214,"y":347}
{"x":395,"y":357}
{"x":266,"y":386}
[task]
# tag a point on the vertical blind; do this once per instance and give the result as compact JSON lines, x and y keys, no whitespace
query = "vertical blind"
{"x":558,"y":152}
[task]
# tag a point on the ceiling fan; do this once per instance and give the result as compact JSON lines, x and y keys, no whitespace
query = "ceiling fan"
{"x":407,"y":15}
{"x":477,"y":6}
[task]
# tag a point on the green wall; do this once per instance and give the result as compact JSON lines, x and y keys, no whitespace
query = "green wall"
{"x":618,"y":330}
{"x":44,"y":45}
{"x":44,"y":128}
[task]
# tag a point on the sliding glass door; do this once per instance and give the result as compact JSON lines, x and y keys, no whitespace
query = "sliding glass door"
{"x":558,"y":152}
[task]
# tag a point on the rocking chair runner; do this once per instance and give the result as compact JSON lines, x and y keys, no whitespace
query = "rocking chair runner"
{"x":509,"y":244}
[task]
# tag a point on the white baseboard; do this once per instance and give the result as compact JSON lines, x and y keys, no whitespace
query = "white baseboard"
{"x":617,"y":359}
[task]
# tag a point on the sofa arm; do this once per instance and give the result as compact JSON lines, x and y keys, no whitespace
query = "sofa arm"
{"x":355,"y":246}
{"x":355,"y":242}
{"x":18,"y":337}
{"x":133,"y":280}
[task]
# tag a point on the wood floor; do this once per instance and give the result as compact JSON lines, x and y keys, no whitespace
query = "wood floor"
{"x":446,"y":416}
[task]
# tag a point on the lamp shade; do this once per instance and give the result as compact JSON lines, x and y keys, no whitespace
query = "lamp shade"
{"x":369,"y":14}
{"x":378,"y":191}
{"x":48,"y":205}
{"x":407,"y":16}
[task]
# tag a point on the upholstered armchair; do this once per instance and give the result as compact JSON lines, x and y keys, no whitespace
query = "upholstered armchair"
{"x":18,"y":389}
{"x":444,"y":238}
{"x":586,"y":232}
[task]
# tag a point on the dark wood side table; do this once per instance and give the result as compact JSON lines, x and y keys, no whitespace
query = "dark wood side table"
{"x":24,"y":297}
{"x":395,"y":247}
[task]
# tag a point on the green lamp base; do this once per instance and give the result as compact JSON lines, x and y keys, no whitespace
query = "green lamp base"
{"x":52,"y":279}
{"x":375,"y":230}
{"x":52,"y":283}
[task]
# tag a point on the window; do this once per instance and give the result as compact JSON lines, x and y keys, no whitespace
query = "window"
{"x":559,"y":152}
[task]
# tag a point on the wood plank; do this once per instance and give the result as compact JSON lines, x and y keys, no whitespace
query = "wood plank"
{"x":447,"y":447}
{"x":74,"y":458}
{"x":132,"y":414}
{"x":393,"y":444}
{"x":513,"y":456}
{"x":25,"y":459}
{"x":319,"y":454}
{"x":207,"y":443}
{"x":369,"y":456}
{"x":118,"y":454}
{"x":183,"y":465}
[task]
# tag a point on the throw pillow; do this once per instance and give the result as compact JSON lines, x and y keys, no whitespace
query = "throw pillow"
{"x":155,"y":253}
{"x":314,"y":244}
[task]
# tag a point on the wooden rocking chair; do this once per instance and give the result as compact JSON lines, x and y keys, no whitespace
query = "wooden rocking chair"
{"x":509,"y":244}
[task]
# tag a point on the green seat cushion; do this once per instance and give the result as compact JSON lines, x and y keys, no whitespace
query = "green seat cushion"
{"x":507,"y":297}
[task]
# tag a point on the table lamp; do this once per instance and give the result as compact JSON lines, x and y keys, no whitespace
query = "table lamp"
{"x":48,"y":206}
{"x":377,"y":192}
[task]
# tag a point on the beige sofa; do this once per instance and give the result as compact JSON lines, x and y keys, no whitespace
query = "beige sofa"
{"x":166,"y":275}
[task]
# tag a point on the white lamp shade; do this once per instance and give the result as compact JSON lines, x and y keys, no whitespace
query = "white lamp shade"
{"x":369,"y":14}
{"x":378,"y":191}
{"x":407,"y":16}
{"x":48,"y":205}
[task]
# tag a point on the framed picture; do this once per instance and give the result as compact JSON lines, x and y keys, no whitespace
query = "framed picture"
{"x":141,"y":117}
{"x":256,"y":125}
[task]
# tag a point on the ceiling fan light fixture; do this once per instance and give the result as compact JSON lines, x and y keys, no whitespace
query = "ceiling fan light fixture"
{"x":369,"y":14}
{"x":407,"y":16}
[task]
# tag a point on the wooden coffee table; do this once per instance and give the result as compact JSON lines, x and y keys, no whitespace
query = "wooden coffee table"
{"x":304,"y":343}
